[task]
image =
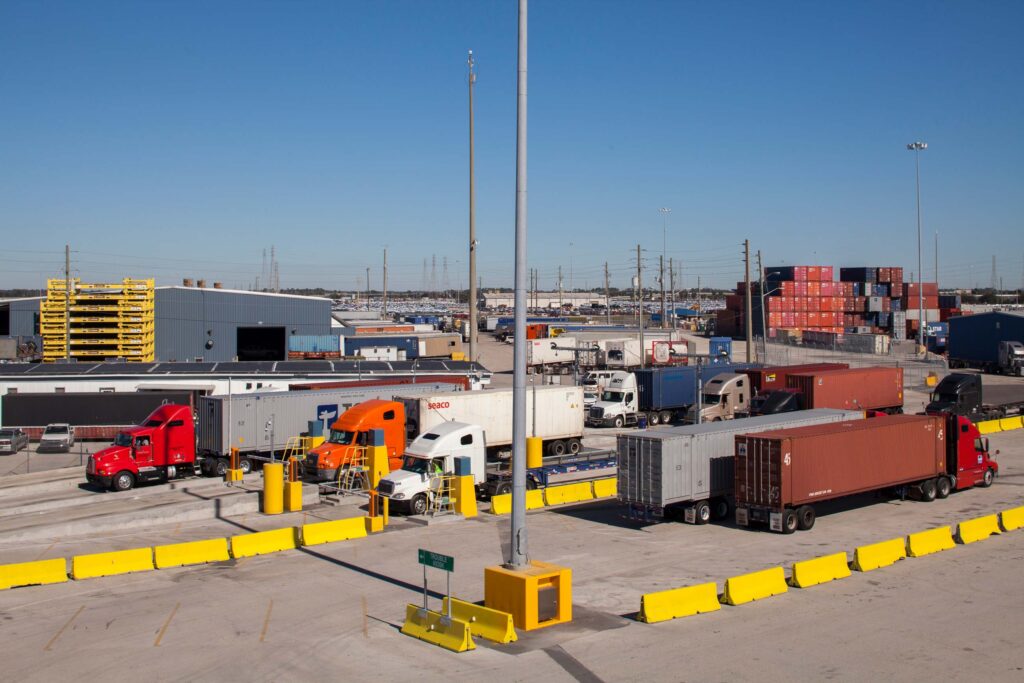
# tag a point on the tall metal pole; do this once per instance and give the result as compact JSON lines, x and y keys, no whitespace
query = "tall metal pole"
{"x":916,"y":148}
{"x":385,"y":284}
{"x":472,"y":225}
{"x":746,"y":277}
{"x":665,"y":211}
{"x":764,"y":327}
{"x":367,"y":289}
{"x":640,"y":308}
{"x":561,"y":304}
{"x":518,"y":556}
{"x":936,"y":258}
{"x":67,"y":302}
{"x":661,"y":281}
{"x":672,"y":292}
{"x":607,"y":298}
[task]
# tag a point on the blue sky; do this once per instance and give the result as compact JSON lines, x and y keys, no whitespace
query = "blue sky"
{"x":172,"y":139}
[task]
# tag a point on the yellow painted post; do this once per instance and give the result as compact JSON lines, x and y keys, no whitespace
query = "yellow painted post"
{"x":465,"y":496}
{"x":534,"y":452}
{"x":377,"y":464}
{"x":234,"y":472}
{"x":273,"y":488}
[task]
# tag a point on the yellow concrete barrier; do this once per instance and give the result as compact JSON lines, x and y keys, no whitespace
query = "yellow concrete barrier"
{"x":678,"y":602}
{"x":373,"y":525}
{"x":109,"y":564}
{"x":263,"y":542}
{"x":1008,"y":424}
{"x":37,"y":573}
{"x":754,"y":586}
{"x":428,"y":626}
{"x":876,"y":555}
{"x":606,"y":488}
{"x":989,"y":427}
{"x":1012,"y":519}
{"x":978,"y":529}
{"x":534,"y":499}
{"x":330,"y":532}
{"x":928,"y":542}
{"x":196,"y":552}
{"x":501,"y":504}
{"x":566,"y":493}
{"x":293,"y":496}
{"x":584,"y":491}
{"x":819,"y":570}
{"x":484,"y":622}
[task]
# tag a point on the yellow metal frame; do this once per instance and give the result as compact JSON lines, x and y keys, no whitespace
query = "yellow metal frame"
{"x":106,"y":320}
{"x":516,"y":591}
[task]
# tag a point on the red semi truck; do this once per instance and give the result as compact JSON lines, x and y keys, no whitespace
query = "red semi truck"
{"x":162,"y":448}
{"x":781,"y":475}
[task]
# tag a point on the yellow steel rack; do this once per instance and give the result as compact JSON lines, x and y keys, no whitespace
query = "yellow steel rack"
{"x":106,"y":320}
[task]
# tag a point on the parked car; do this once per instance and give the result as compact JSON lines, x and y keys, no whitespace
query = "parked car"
{"x":57,"y":437}
{"x":12,"y":441}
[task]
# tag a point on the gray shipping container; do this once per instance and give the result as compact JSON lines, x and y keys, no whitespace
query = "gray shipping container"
{"x":658,"y":469}
{"x":279,"y":415}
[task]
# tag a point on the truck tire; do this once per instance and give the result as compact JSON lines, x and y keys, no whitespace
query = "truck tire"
{"x":123,"y":481}
{"x":245,"y":464}
{"x":575,"y":446}
{"x":702,"y":512}
{"x":928,"y":490}
{"x":220,"y":468}
{"x":618,"y":422}
{"x":556,"y":447}
{"x":790,"y":523}
{"x":719,"y":508}
{"x":418,"y":505}
{"x":666,"y":417}
{"x":654,"y":418}
{"x":986,"y":481}
{"x":503,"y":488}
{"x":805,"y":517}
{"x":943,"y":487}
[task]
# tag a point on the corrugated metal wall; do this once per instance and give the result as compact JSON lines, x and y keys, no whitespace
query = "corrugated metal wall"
{"x":24,"y":318}
{"x":186,"y":317}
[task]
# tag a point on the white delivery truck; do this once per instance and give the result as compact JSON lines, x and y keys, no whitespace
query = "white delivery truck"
{"x":618,"y":405}
{"x":553,"y":413}
{"x":551,"y":353}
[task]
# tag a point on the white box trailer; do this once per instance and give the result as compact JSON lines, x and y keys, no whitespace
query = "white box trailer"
{"x":553,"y":413}
{"x":540,"y":352}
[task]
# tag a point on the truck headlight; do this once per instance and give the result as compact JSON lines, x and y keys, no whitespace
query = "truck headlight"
{"x":398,"y":496}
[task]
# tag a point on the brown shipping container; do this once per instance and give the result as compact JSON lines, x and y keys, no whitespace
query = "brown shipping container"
{"x":791,"y":467}
{"x":851,"y":389}
{"x":441,"y":345}
{"x":773,"y":378}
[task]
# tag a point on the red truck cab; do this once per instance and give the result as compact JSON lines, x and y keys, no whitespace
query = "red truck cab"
{"x":968,"y":462}
{"x":163,"y":447}
{"x":350,"y":434}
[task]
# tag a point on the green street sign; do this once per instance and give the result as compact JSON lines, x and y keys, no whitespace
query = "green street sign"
{"x":437,"y":560}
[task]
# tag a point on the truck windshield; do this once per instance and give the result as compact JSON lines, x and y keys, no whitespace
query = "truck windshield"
{"x":712,"y":399}
{"x":611,"y":396}
{"x":943,"y":398}
{"x":417,"y":465}
{"x":55,"y":430}
{"x":123,"y":439}
{"x":346,"y":438}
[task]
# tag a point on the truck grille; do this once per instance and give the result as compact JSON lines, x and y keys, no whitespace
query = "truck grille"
{"x":91,"y":467}
{"x":596,"y":413}
{"x":386,"y":487}
{"x":310,"y":463}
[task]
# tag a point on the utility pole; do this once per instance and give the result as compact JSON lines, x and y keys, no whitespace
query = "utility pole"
{"x":518,"y":556}
{"x":367,"y":289}
{"x":560,"y":302}
{"x":67,"y":302}
{"x":385,"y":284}
{"x":764,"y":327}
{"x":672,"y":291}
{"x":640,"y":308}
{"x":607,"y":298}
{"x":472,"y":225}
{"x":936,"y":257}
{"x":746,"y":277}
{"x":661,"y":281}
{"x":665,"y":211}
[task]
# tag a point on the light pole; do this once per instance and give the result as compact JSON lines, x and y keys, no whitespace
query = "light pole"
{"x":916,"y":148}
{"x":665,"y":211}
{"x":764,"y":327}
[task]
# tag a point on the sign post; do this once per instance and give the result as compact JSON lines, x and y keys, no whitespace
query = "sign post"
{"x":445,"y":563}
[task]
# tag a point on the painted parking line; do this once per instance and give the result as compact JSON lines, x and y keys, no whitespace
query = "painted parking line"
{"x":163,"y":629}
{"x":266,"y":621}
{"x":63,"y":628}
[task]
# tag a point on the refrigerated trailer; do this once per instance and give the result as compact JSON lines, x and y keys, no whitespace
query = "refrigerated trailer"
{"x":261,"y":423}
{"x":781,"y":475}
{"x":690,"y":469}
{"x":553,"y":413}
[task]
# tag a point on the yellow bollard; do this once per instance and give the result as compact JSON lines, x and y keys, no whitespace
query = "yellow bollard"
{"x":465,"y":496}
{"x":293,"y":496}
{"x":534,"y":452}
{"x":273,"y":488}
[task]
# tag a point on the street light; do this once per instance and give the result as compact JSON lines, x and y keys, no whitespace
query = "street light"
{"x":665,"y":211}
{"x":916,"y":148}
{"x":764,"y":327}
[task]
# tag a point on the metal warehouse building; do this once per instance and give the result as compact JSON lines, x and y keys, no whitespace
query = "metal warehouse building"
{"x":202,"y":324}
{"x":195,"y":323}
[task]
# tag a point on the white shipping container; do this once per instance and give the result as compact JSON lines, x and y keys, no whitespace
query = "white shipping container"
{"x":380,"y":353}
{"x":552,"y":412}
{"x":931,"y":315}
{"x":539,"y":351}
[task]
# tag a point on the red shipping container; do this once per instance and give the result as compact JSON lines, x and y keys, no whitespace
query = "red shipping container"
{"x":814,"y":288}
{"x":789,"y":288}
{"x":801,"y":288}
{"x":813,"y":319}
{"x":774,"y":377}
{"x":800,"y":273}
{"x":789,"y":319}
{"x":912,"y":303}
{"x":873,"y":388}
{"x":884,"y":275}
{"x":801,"y":319}
{"x":774,"y":319}
{"x":733,"y":302}
{"x":814,"y":273}
{"x":828,"y":273}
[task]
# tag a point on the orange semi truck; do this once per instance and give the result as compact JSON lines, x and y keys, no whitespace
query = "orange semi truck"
{"x":349,"y":435}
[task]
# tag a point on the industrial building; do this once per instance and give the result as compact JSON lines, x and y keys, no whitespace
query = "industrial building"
{"x":198,"y":324}
{"x":495,"y":300}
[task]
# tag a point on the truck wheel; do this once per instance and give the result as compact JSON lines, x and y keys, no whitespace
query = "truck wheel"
{"x":666,"y":417}
{"x":654,"y":418}
{"x":503,"y":488}
{"x":220,"y":468}
{"x":928,"y":490}
{"x":556,"y":447}
{"x":790,"y":523}
{"x":575,"y":446}
{"x":618,"y":422}
{"x":986,"y":481}
{"x":245,"y":464}
{"x":805,"y":517}
{"x":719,"y":508}
{"x":943,"y":487}
{"x":418,"y":505}
{"x":702,"y":512}
{"x":124,"y":481}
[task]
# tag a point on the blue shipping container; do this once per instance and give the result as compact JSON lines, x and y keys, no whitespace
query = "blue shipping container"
{"x":974,"y":339}
{"x":720,"y":346}
{"x":675,"y":388}
{"x":315,"y":343}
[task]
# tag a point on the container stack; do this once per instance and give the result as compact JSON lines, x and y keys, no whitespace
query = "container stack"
{"x":916,"y":297}
{"x":872,"y":300}
{"x":950,"y":306}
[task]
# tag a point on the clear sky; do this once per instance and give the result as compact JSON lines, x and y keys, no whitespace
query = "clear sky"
{"x":172,"y":139}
